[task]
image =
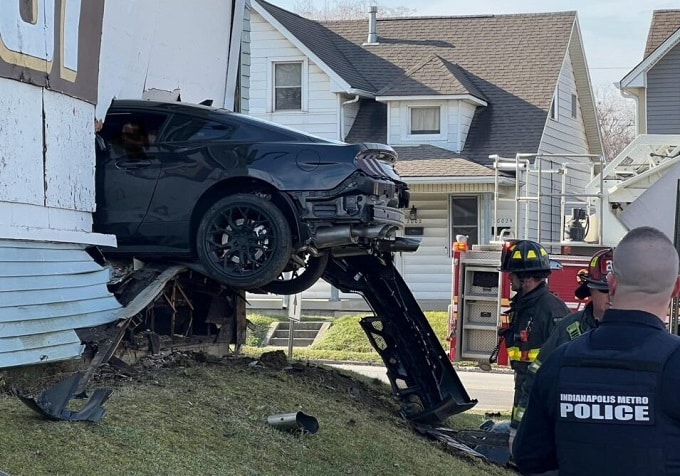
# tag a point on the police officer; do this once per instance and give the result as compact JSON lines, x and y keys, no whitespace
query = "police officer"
{"x":607,"y":402}
{"x":534,"y":310}
{"x":593,"y":285}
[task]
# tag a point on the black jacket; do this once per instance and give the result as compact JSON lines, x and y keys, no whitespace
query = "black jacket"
{"x":572,"y":326}
{"x":532,"y":318}
{"x":606,"y":403}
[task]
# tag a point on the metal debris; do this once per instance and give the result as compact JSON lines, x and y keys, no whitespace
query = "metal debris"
{"x":52,"y":403}
{"x":297,"y":421}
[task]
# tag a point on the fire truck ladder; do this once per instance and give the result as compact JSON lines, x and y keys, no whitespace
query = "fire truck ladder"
{"x":419,"y":371}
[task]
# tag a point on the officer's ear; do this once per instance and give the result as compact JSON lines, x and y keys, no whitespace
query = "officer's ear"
{"x":612,"y":282}
{"x":676,"y":287}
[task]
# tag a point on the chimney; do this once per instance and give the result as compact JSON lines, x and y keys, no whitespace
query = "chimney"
{"x":372,"y":26}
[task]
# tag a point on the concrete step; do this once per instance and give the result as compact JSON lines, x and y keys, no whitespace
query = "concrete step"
{"x":304,"y":333}
{"x":279,"y":342}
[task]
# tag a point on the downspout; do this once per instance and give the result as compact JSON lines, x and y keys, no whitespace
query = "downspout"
{"x":342,"y":115}
{"x":638,"y":123}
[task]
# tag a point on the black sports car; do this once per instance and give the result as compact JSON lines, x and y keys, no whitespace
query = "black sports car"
{"x":256,"y":204}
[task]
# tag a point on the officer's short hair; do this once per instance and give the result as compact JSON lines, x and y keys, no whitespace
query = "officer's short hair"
{"x":646,"y":261}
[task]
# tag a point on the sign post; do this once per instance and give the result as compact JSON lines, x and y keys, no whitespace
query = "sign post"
{"x":294,"y":313}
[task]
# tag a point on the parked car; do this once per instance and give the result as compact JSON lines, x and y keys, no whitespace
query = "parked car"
{"x":255,"y":204}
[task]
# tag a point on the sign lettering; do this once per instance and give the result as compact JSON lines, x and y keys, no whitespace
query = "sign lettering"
{"x":52,"y":43}
{"x":627,"y":409}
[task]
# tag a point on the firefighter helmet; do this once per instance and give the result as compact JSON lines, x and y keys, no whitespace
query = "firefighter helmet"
{"x":598,"y":268}
{"x":524,"y":256}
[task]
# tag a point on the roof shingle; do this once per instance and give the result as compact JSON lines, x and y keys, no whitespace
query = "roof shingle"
{"x":664,"y":24}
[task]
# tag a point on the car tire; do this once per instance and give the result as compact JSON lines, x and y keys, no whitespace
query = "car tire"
{"x":298,"y":282}
{"x":244,"y":241}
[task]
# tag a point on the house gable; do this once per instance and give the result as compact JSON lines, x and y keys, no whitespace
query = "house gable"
{"x":653,"y":82}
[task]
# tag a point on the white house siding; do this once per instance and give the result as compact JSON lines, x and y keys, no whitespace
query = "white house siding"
{"x":49,"y":284}
{"x":244,"y":90}
{"x":164,"y":45}
{"x":663,"y":94}
{"x":566,"y":135}
{"x":46,"y":291}
{"x":466,"y":112}
{"x":319,"y":115}
{"x":456,"y":116}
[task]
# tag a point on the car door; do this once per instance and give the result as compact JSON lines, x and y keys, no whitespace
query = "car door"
{"x":197,"y":153}
{"x":128,"y":166}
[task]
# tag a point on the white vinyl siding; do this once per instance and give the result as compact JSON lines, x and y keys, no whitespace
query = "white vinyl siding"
{"x":319,"y":114}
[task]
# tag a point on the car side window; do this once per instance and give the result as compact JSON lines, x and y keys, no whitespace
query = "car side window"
{"x":183,"y":128}
{"x":131,"y":133}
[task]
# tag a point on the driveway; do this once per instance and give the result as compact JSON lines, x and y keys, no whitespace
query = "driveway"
{"x":494,"y":390}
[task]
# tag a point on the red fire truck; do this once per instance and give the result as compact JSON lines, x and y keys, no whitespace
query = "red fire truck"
{"x":481,"y":296}
{"x":597,"y":203}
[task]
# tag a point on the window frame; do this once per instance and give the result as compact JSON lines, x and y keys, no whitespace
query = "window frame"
{"x":554,"y":113}
{"x":423,"y":138}
{"x":477,"y":226}
{"x":304,"y":84}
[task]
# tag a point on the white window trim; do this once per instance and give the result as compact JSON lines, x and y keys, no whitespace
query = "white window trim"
{"x":271,"y":96}
{"x":554,"y":111}
{"x":421,"y":138}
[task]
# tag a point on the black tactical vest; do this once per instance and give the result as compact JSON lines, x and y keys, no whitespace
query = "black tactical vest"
{"x":609,"y":419}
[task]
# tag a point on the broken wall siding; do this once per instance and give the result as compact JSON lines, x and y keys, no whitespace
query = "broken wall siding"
{"x":46,"y":291}
{"x":165,"y":45}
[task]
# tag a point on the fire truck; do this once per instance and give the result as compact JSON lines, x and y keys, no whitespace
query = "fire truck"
{"x":597,"y":202}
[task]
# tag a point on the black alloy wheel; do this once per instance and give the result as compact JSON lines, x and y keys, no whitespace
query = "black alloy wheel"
{"x":302,"y":271}
{"x":244,"y":241}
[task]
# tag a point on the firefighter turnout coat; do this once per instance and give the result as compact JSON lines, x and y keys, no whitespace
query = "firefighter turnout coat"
{"x":606,"y":403}
{"x":569,"y":328}
{"x":532,"y":318}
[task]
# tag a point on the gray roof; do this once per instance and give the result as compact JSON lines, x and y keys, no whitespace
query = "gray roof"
{"x":664,"y":24}
{"x":370,"y":125}
{"x":431,"y":161}
{"x":513,"y":61}
{"x":434,"y":76}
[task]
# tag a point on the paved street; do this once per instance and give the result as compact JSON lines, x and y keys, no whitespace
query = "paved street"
{"x":493,"y":390}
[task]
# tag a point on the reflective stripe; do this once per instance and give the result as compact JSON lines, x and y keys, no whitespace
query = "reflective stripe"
{"x":518,"y":413}
{"x":514,"y":353}
{"x":574,"y":330}
{"x":535,"y":365}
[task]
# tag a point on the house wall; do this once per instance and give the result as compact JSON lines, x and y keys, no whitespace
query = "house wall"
{"x":455,"y":120}
{"x":166,"y":45}
{"x":244,"y":77}
{"x":349,"y":113}
{"x":49,"y":284}
{"x":566,"y":135}
{"x":663,"y":94}
{"x":319,"y":115}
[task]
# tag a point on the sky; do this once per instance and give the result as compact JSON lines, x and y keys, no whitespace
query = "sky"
{"x":614,"y":31}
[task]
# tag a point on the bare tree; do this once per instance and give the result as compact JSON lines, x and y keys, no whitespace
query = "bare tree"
{"x":616,"y":117}
{"x":346,"y":10}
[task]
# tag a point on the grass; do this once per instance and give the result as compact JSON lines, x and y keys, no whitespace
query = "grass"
{"x":345,"y":339}
{"x":209,"y":418}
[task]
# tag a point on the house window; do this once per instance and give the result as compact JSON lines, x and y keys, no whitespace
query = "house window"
{"x":425,"y":120}
{"x":554,"y":107}
{"x":288,"y":86}
{"x":573,"y":106}
{"x":465,"y":218}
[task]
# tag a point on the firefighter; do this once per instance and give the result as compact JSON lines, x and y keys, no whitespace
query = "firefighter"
{"x":606,"y":402}
{"x":593,"y":285}
{"x":534,"y":310}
